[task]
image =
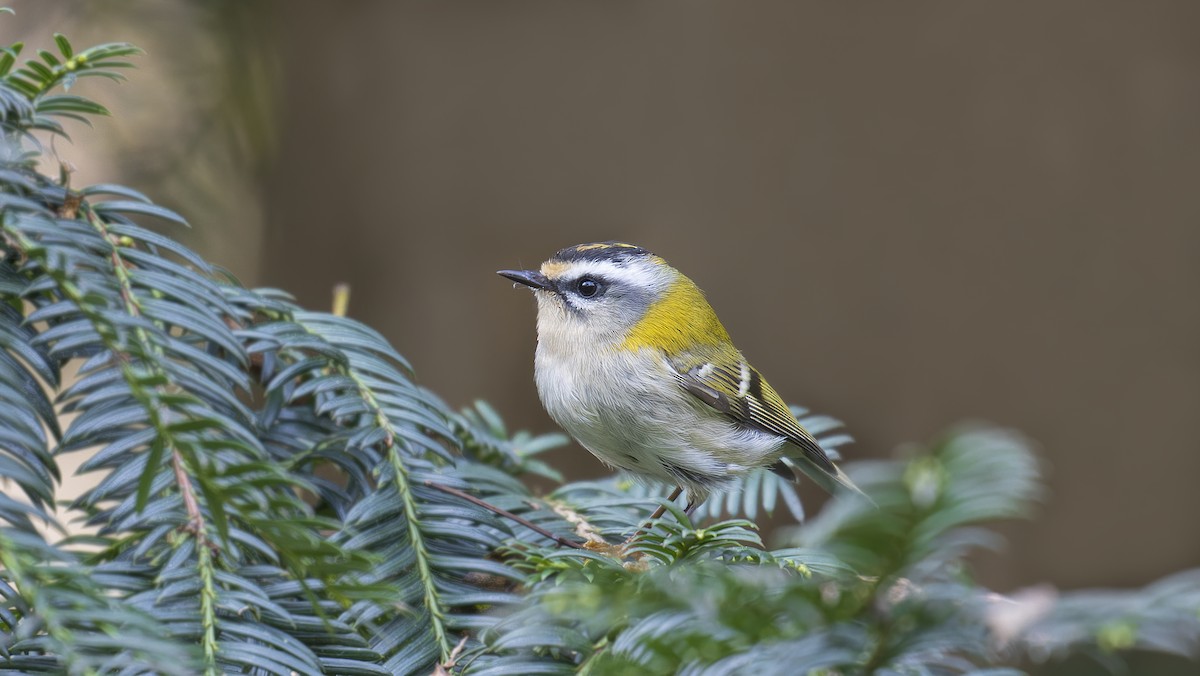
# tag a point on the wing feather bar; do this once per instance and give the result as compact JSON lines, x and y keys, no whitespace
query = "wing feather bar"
{"x":741,"y":393}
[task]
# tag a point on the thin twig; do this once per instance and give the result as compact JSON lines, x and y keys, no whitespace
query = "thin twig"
{"x":504,"y":513}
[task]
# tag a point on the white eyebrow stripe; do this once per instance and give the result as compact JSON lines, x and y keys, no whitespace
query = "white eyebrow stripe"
{"x":599,"y":268}
{"x":639,"y":274}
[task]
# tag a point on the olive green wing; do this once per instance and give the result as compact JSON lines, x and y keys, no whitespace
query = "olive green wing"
{"x":732,"y":386}
{"x":724,"y":380}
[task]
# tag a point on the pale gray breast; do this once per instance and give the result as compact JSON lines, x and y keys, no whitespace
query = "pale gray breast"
{"x":613,"y":403}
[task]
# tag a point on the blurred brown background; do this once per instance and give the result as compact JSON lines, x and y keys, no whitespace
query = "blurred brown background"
{"x":907,"y":214}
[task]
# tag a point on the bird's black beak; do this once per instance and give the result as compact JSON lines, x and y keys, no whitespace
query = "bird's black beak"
{"x":530,"y":278}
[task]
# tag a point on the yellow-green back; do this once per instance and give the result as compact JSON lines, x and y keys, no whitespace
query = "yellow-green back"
{"x":681,"y":319}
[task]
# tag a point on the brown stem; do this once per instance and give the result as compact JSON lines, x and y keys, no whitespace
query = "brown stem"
{"x":70,"y":205}
{"x":504,"y":513}
{"x":195,"y":516}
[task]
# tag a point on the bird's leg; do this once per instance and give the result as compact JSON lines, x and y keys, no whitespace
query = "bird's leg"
{"x":692,"y":505}
{"x":662,"y":509}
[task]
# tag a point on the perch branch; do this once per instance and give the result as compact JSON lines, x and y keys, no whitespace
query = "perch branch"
{"x":504,"y":513}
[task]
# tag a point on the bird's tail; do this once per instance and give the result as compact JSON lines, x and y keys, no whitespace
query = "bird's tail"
{"x":835,"y":482}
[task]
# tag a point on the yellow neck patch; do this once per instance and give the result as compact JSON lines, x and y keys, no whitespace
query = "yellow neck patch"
{"x":681,"y":320}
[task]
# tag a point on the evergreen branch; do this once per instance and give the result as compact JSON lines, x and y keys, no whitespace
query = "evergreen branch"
{"x":403,"y":485}
{"x":433,"y":603}
{"x":147,"y":397}
{"x":65,"y":616}
{"x":16,"y":570}
{"x":208,"y":606}
{"x":163,"y":433}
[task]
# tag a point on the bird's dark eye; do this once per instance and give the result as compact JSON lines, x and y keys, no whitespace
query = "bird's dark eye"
{"x":587,"y":287}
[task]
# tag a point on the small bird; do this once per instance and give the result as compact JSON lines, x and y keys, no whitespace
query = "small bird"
{"x":633,"y":363}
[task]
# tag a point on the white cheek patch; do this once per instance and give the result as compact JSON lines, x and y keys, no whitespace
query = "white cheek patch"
{"x":633,"y":285}
{"x":551,"y":305}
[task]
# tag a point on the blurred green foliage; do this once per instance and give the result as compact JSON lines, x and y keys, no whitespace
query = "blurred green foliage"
{"x":276,"y":495}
